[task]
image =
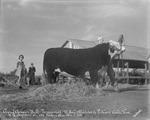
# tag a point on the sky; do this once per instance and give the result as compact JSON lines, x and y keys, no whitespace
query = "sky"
{"x":29,"y":27}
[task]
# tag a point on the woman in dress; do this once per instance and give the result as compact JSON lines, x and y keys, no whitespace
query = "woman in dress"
{"x":20,"y":70}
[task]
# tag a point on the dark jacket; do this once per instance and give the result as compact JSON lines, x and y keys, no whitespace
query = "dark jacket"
{"x":32,"y":70}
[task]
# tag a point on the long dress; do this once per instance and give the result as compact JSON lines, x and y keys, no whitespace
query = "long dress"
{"x":20,"y":71}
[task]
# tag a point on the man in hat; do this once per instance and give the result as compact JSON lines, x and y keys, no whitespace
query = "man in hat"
{"x":31,"y":73}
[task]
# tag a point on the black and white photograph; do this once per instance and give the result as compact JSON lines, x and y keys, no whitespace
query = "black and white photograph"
{"x":74,"y":59}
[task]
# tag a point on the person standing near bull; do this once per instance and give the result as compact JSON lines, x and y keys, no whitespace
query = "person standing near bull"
{"x":31,"y":73}
{"x":20,"y":71}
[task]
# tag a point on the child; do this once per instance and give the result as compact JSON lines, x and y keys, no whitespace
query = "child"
{"x":20,"y":70}
{"x":31,"y":73}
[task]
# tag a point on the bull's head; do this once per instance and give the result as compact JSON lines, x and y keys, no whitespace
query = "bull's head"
{"x":115,"y":49}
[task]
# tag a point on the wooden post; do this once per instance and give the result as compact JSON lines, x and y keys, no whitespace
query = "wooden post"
{"x":149,"y":72}
{"x":149,"y":68}
{"x":70,"y":44}
{"x":118,"y":69}
{"x":146,"y":67}
{"x":127,"y":72}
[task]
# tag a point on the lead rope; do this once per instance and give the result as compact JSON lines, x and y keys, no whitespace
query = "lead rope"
{"x":121,"y":40}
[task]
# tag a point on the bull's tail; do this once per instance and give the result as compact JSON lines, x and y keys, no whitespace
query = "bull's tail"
{"x":44,"y":78}
{"x":44,"y":70}
{"x":44,"y":64}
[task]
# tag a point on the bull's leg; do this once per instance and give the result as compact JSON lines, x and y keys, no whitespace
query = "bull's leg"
{"x":97,"y":86}
{"x":56,"y":76}
{"x":100,"y":80}
{"x":100,"y":83}
{"x":50,"y":75}
{"x":94,"y":77}
{"x":111,"y":75}
{"x":107,"y":83}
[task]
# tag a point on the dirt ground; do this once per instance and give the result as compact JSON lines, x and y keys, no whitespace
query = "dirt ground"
{"x":131,"y":103}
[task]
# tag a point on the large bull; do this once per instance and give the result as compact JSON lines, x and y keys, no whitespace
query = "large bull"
{"x":77,"y":61}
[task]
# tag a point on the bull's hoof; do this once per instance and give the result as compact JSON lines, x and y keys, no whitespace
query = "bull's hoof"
{"x":20,"y":87}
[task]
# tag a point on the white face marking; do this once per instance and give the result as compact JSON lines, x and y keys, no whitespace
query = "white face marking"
{"x":110,"y":53}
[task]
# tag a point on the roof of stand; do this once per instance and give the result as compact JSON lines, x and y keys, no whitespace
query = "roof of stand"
{"x":131,"y":53}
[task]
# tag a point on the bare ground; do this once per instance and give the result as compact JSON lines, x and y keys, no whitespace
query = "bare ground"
{"x":131,"y":103}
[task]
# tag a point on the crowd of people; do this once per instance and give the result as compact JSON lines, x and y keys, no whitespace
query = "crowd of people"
{"x":23,"y":74}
